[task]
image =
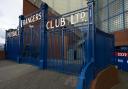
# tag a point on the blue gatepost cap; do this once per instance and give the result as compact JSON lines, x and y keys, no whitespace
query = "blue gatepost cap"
{"x":22,"y":17}
{"x":43,"y":5}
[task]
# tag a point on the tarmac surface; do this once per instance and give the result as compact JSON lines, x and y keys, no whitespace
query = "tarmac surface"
{"x":22,"y":76}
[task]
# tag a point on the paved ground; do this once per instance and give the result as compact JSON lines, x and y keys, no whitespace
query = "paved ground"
{"x":123,"y":79}
{"x":21,"y":76}
{"x":4,"y":63}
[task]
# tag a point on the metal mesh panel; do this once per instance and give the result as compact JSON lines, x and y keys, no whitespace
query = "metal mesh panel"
{"x":126,"y":20}
{"x":103,"y":13}
{"x":126,"y":5}
{"x":111,"y":16}
{"x":102,"y":3}
{"x":116,"y":23}
{"x":115,"y":8}
{"x":110,"y":1}
{"x":104,"y":26}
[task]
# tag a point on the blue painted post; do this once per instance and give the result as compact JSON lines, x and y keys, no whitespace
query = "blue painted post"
{"x":87,"y":75}
{"x":91,"y":32}
{"x":31,"y":43}
{"x":43,"y":34}
{"x":90,"y":43}
{"x":62,"y":51}
{"x":6,"y":45}
{"x":21,"y":18}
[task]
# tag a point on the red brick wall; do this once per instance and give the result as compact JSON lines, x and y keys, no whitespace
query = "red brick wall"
{"x":2,"y":55}
{"x":121,"y":37}
{"x":28,"y":7}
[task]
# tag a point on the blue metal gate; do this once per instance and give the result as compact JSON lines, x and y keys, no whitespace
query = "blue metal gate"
{"x":73,"y":46}
{"x":60,"y":48}
{"x":12,"y":44}
{"x":31,"y":45}
{"x":66,"y":46}
{"x":66,"y":49}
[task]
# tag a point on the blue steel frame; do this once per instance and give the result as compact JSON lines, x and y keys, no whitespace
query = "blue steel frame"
{"x":43,"y":35}
{"x":88,"y":71}
{"x":6,"y":45}
{"x":91,"y":30}
{"x":21,"y":18}
{"x":12,"y":43}
{"x":43,"y":49}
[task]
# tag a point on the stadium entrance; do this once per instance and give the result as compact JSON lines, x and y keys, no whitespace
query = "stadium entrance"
{"x":56,"y":43}
{"x":67,"y":43}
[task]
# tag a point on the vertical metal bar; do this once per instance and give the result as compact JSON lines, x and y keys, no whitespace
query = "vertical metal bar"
{"x":31,"y":43}
{"x":21,"y":27}
{"x":59,"y":47}
{"x":53,"y":40}
{"x":108,"y":15}
{"x":91,"y":32}
{"x":53,"y":47}
{"x":62,"y":51}
{"x":69,"y":48}
{"x":123,"y":5}
{"x":97,"y":13}
{"x":57,"y":37}
{"x":75,"y":37}
{"x":83,"y":48}
{"x":66,"y":47}
{"x":48,"y":45}
{"x":43,"y":34}
{"x":6,"y":45}
{"x":91,"y":41}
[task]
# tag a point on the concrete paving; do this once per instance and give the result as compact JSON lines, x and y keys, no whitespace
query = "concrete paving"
{"x":6,"y":63}
{"x":21,"y":76}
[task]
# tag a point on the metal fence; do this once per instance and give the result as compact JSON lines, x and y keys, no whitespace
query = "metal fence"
{"x":12,"y":44}
{"x":75,"y":48}
{"x":31,"y":45}
{"x":66,"y":45}
{"x":111,"y":15}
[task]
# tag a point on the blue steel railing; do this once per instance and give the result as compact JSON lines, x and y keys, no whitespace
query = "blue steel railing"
{"x":86,"y":76}
{"x":87,"y":73}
